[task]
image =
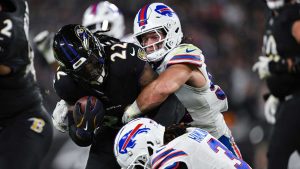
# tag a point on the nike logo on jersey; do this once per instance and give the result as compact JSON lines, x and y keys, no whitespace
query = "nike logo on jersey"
{"x":86,"y":126}
{"x":189,"y":50}
{"x":133,"y":52}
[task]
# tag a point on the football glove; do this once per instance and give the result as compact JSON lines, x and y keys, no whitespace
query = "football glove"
{"x":59,"y":116}
{"x":88,"y":122}
{"x":262,"y":67}
{"x":43,"y":41}
{"x":271,"y":108}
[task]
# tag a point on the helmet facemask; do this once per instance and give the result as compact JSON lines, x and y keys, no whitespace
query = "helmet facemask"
{"x":157,"y":49}
{"x":158,"y":17}
{"x":90,"y":69}
{"x":104,"y":26}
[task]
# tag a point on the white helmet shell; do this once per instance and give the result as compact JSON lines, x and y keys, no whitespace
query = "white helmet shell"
{"x":104,"y":16}
{"x":275,"y":4}
{"x":133,"y":141}
{"x":154,"y":17}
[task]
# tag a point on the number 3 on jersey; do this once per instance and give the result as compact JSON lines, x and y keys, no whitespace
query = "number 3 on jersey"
{"x":220,"y":149}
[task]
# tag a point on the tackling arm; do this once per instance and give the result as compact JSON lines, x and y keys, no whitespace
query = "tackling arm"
{"x":158,"y":91}
{"x":167,"y":83}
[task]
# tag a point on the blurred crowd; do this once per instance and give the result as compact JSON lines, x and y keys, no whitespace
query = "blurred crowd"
{"x":229,"y":32}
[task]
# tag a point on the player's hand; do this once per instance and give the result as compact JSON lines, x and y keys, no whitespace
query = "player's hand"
{"x":262,"y":67}
{"x":271,"y":108}
{"x":131,"y":113}
{"x":43,"y":41}
{"x":59,"y":116}
{"x":127,"y":117}
{"x":91,"y":118}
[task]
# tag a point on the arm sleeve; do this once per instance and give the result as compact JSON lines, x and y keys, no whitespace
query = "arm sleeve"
{"x":67,"y":88}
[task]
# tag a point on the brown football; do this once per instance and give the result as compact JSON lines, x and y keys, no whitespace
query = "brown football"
{"x":83,"y":103}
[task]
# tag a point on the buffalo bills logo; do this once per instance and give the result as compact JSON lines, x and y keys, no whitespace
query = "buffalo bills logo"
{"x":128,"y":140}
{"x":164,"y":10}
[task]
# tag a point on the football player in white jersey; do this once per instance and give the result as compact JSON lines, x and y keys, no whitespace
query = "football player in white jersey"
{"x":182,"y":70}
{"x":142,"y":143}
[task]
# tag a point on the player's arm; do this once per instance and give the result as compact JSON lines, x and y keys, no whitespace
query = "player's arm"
{"x":167,"y":83}
{"x":160,"y":92}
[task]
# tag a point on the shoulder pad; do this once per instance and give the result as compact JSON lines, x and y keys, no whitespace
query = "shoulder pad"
{"x":186,"y":53}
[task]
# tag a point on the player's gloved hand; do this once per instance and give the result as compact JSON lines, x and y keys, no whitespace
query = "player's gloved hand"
{"x":89,"y":120}
{"x":131,"y":113}
{"x":43,"y":41}
{"x":59,"y":116}
{"x":271,"y":108}
{"x":262,"y":67}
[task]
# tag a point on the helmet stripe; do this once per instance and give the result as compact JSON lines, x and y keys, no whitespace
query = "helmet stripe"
{"x":142,"y":17}
{"x":65,"y":52}
{"x":72,"y":50}
{"x":130,"y":136}
{"x":94,"y":8}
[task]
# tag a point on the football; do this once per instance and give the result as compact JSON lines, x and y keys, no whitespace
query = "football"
{"x":83,"y":102}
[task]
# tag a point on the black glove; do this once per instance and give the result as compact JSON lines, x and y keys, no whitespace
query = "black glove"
{"x":89,"y":121}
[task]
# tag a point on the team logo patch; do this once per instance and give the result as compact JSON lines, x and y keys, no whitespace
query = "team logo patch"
{"x":141,"y":54}
{"x":37,"y":124}
{"x":128,"y":140}
{"x":83,"y":36}
{"x":164,"y":10}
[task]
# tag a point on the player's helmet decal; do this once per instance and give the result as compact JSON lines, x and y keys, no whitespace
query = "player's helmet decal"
{"x":127,"y":141}
{"x":83,"y":36}
{"x":164,"y":10}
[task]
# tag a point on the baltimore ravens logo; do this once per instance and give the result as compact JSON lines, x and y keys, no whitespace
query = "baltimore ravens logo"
{"x":128,"y":140}
{"x":83,"y":36}
{"x":164,"y":10}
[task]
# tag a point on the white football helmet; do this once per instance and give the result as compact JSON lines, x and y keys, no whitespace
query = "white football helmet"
{"x":104,"y":16}
{"x":136,"y":142}
{"x":275,"y":4}
{"x":158,"y":17}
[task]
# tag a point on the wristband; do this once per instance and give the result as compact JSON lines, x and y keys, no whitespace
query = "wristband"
{"x":133,"y":110}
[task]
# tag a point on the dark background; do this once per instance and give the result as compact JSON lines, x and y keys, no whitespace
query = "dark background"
{"x":229,"y":32}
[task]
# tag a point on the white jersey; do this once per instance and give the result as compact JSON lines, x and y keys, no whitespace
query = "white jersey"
{"x":204,"y":104}
{"x":198,"y":150}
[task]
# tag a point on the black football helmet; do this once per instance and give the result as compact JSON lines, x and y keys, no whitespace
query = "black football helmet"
{"x":80,"y":53}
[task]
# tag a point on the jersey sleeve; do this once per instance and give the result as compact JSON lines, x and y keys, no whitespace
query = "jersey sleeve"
{"x":66,"y":88}
{"x":168,"y":158}
{"x":175,"y":165}
{"x":187,"y":54}
{"x":127,"y":58}
{"x":137,"y":57}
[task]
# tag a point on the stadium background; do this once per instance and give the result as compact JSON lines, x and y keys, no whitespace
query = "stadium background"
{"x":228,"y":31}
